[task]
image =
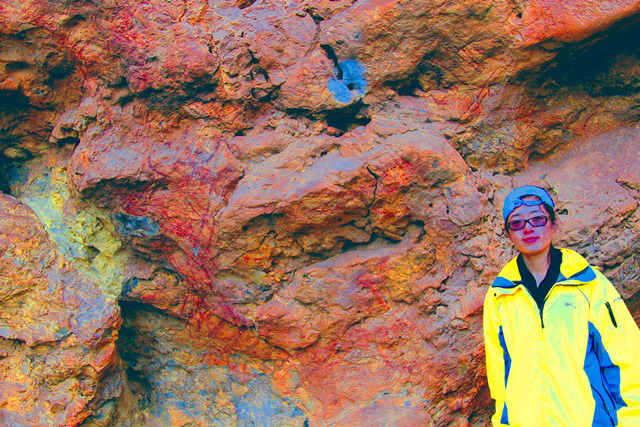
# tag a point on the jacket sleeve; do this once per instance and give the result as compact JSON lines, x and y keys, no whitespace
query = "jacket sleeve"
{"x":620,"y":364}
{"x":494,"y":355}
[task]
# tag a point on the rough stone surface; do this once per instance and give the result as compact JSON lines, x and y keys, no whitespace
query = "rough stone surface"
{"x":286,"y":213}
{"x":58,"y":332}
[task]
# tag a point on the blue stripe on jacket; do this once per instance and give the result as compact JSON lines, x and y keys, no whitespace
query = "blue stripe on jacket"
{"x":507,"y":367}
{"x":604,"y":377}
{"x":585,"y":275}
{"x":501,"y":282}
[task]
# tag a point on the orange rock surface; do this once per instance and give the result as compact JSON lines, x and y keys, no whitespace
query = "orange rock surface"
{"x":287,"y":213}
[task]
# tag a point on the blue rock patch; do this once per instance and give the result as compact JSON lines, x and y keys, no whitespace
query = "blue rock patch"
{"x":138,"y":226}
{"x":129,"y":286}
{"x":262,"y":408}
{"x":353,"y":84}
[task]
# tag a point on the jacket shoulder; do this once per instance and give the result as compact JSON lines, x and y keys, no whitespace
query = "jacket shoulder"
{"x":509,"y":276}
{"x":575,"y":267}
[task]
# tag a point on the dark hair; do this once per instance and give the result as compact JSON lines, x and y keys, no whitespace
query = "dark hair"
{"x":548,"y":208}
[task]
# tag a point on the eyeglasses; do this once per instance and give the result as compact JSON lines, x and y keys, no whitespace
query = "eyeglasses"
{"x":536,"y":221}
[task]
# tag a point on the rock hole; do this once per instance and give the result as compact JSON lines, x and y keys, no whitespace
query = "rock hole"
{"x":589,"y":62}
{"x":58,"y":67}
{"x":68,"y":141}
{"x":11,"y":159}
{"x":124,"y":100}
{"x":12,"y":100}
{"x":348,"y":118}
{"x":253,"y":60}
{"x":92,"y":252}
{"x":316,"y":18}
{"x":4,"y":183}
{"x":258,"y":71}
{"x":263,"y":72}
{"x":332,"y":56}
{"x":73,"y":20}
{"x":349,"y":246}
{"x":128,"y":348}
{"x":243,"y":4}
{"x":16,"y":66}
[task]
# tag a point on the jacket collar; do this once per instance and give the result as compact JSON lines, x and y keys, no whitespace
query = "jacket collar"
{"x":574,"y":270}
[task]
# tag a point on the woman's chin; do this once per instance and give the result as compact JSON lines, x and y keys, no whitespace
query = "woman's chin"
{"x":534,"y":249}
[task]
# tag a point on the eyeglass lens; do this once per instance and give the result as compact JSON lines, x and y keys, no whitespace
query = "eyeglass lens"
{"x":536,"y":221}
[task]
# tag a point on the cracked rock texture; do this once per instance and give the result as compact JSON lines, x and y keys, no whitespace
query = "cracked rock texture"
{"x":287,"y":212}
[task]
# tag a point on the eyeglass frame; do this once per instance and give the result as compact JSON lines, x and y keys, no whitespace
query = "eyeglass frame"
{"x":546,"y":220}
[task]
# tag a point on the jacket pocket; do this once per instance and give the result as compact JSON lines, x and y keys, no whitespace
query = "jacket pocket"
{"x":613,"y":318}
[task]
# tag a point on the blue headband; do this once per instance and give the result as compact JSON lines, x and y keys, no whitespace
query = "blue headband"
{"x":514,"y":199}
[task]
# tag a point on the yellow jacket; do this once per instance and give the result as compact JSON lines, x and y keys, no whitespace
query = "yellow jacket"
{"x":575,"y":363}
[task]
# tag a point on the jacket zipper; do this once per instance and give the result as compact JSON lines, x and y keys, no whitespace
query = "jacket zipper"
{"x":535,"y":304}
{"x":541,"y":309}
{"x":613,"y":319}
{"x":545,"y":303}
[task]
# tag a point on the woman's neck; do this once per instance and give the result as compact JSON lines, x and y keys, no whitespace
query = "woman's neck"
{"x":538,"y":264}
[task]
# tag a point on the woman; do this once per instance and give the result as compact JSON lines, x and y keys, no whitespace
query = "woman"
{"x":561,"y":346}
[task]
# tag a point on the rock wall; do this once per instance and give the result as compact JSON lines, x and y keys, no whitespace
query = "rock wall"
{"x":286,"y":212}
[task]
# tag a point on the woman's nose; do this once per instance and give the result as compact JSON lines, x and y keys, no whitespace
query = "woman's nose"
{"x":528,"y":228}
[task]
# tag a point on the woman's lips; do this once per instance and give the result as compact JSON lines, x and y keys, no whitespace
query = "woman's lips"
{"x":529,"y":239}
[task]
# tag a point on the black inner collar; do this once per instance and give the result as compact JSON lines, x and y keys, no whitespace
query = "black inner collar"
{"x":539,"y":293}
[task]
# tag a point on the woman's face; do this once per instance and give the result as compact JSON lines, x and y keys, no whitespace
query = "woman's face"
{"x":531,"y":240}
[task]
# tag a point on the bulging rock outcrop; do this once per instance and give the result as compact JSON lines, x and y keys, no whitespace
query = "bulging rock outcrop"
{"x":286,"y":213}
